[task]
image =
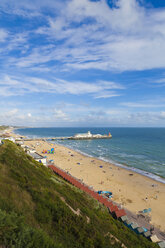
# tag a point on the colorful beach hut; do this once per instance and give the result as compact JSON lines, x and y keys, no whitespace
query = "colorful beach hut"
{"x":134,"y":225}
{"x":154,"y":238}
{"x":128,"y":222}
{"x":113,"y":208}
{"x":119,"y":213}
{"x":140,"y":230}
{"x":161,"y":244}
{"x":109,"y":204}
{"x":106,"y":203}
{"x":123,"y":218}
{"x":147,"y":234}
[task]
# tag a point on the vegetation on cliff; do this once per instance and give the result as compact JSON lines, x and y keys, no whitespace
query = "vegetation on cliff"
{"x":3,"y":127}
{"x":39,"y":209}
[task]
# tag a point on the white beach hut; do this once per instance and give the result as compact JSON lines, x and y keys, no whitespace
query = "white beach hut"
{"x":10,"y":138}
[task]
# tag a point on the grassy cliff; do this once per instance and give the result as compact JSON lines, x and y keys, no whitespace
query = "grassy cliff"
{"x":3,"y":127}
{"x":40,"y":210}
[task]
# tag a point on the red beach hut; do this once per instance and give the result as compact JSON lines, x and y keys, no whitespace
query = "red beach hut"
{"x":119,"y":213}
{"x":113,"y":208}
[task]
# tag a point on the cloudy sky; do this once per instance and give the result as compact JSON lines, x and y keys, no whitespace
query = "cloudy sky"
{"x":82,"y":62}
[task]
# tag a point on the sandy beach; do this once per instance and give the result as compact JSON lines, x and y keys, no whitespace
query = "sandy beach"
{"x":133,"y":191}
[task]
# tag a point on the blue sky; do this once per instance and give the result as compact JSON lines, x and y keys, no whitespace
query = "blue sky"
{"x":82,"y":63}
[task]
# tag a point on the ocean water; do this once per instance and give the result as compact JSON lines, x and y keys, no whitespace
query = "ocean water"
{"x":138,"y":149}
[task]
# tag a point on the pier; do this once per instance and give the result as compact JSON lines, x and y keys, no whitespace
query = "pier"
{"x":81,"y":136}
{"x":44,"y":138}
{"x":64,"y":138}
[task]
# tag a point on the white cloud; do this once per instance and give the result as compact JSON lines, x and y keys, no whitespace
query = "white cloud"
{"x":18,"y":86}
{"x":72,"y":115}
{"x":90,"y":35}
{"x":160,"y":81}
{"x":106,"y":95}
{"x":162,"y":115}
{"x":3,"y":35}
{"x":60,"y":115}
{"x":147,"y":117}
{"x":11,"y":113}
{"x":8,"y":115}
{"x":125,"y":38}
{"x":28,"y":10}
{"x":123,"y":118}
{"x":146,"y":104}
{"x":82,"y":35}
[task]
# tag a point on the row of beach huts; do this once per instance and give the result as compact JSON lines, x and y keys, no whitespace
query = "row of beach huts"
{"x":29,"y":150}
{"x":114,"y":210}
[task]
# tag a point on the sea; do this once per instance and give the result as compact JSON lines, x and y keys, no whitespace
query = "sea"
{"x":137,"y":149}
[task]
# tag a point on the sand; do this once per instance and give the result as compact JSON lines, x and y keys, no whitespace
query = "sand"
{"x":133,"y":191}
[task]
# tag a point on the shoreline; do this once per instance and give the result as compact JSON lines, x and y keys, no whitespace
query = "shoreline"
{"x":131,"y":190}
{"x":144,"y":173}
{"x":151,"y":175}
{"x":115,"y":164}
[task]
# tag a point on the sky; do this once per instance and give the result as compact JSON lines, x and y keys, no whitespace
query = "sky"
{"x":82,"y":63}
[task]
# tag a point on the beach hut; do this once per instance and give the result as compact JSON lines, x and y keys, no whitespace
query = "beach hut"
{"x":110,"y":203}
{"x":10,"y":138}
{"x":123,"y":218}
{"x":95,"y":195}
{"x":38,"y":157}
{"x":134,"y":225}
{"x":106,"y":203}
{"x":21,"y":143}
{"x":145,"y":229}
{"x":30,"y":150}
{"x":139,"y":230}
{"x":113,"y":208}
{"x":154,"y":238}
{"x":147,"y":234}
{"x":101,"y":199}
{"x":119,"y":213}
{"x":161,"y":244}
{"x":128,"y":222}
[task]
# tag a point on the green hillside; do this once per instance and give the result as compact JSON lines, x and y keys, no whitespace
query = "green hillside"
{"x":3,"y":127}
{"x":40,"y":210}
